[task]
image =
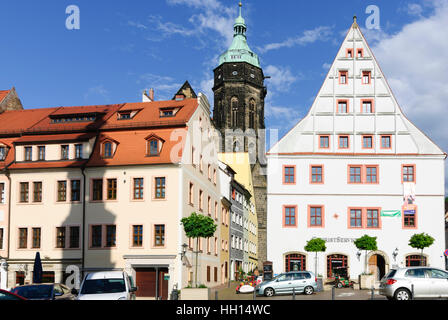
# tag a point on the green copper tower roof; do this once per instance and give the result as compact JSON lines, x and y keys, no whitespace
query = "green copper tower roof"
{"x":239,"y":50}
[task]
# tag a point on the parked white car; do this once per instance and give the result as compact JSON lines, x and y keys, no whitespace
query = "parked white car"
{"x":109,"y":285}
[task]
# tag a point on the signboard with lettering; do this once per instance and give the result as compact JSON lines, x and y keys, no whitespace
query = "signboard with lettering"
{"x":391,"y":213}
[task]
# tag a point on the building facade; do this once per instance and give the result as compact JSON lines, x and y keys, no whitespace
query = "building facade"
{"x":238,"y":115}
{"x":105,"y":188}
{"x":354,"y":165}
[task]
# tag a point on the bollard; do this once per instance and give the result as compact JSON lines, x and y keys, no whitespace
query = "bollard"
{"x":373,"y":293}
{"x":255,"y":294}
{"x":293,"y":293}
{"x":216,"y":295}
{"x":333,"y":293}
{"x":412,"y":291}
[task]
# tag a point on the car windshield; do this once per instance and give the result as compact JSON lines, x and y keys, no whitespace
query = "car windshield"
{"x":391,"y":274}
{"x":99,"y":286}
{"x":34,"y":292}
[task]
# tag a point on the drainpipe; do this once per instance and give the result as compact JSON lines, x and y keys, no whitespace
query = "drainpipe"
{"x":83,"y":250}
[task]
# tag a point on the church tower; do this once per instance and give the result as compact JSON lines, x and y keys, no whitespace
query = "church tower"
{"x":238,"y":114}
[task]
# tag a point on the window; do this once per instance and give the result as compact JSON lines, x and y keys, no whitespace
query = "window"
{"x":2,"y":153}
{"x":372,"y":218}
{"x":192,"y":157}
{"x":41,"y":153}
{"x":234,"y":107}
{"x":201,"y":163}
{"x":317,"y":174}
{"x":159,"y":235}
{"x":36,"y":238}
{"x":191,"y":194}
{"x":355,"y":174}
{"x":62,"y":191}
{"x":96,"y":236}
{"x":324,"y":142}
{"x":209,"y":206}
{"x":367,"y":142}
{"x":97,"y":190}
{"x":289,"y":217}
{"x":356,"y":218}
{"x":1,"y":238}
{"x":75,"y":190}
{"x":78,"y":151}
{"x":167,"y":113}
{"x":289,"y":175}
{"x":342,"y":106}
{"x":111,"y":189}
{"x":24,"y":191}
{"x":160,"y":188}
{"x":138,"y":188}
{"x":214,"y":176}
{"x":408,"y":173}
{"x":316,"y":216}
{"x":343,"y":77}
{"x":415,"y":261}
{"x":334,"y":261}
{"x":409,"y":217}
{"x":349,"y":53}
{"x":74,"y":237}
{"x":107,"y":150}
{"x":137,"y":236}
{"x":367,"y":106}
{"x":366,"y":76}
{"x":28,"y":154}
{"x":359,"y":53}
{"x":2,"y":192}
{"x":252,"y":114}
{"x":201,"y":197}
{"x":37,"y":191}
{"x":23,"y":238}
{"x":343,"y":142}
{"x":371,"y":174}
{"x":125,"y":115}
{"x":295,"y":262}
{"x":64,"y":152}
{"x":111,"y":236}
{"x":60,"y":237}
{"x":208,"y":274}
{"x":386,"y":142}
{"x":154,"y":147}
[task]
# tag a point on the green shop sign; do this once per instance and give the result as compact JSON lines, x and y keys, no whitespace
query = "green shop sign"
{"x":391,"y":213}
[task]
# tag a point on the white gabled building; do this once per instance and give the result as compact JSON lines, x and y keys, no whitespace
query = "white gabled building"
{"x":354,"y":165}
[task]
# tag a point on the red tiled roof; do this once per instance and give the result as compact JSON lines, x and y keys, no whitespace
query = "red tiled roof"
{"x":10,"y":156}
{"x":133,"y":147}
{"x":17,"y":121}
{"x":3,"y":94}
{"x":69,"y":137}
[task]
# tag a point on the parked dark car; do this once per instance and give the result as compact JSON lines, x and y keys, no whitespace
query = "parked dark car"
{"x":6,"y":295}
{"x":45,"y":291}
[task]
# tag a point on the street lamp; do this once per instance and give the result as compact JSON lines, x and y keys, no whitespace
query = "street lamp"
{"x":184,"y":251}
{"x":358,"y":254}
{"x":395,"y":254}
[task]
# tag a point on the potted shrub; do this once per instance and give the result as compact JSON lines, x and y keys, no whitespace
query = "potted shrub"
{"x":366,"y":243}
{"x":316,"y":245}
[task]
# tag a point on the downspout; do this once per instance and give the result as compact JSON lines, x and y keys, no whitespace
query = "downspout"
{"x":83,"y":250}
{"x":9,"y":212}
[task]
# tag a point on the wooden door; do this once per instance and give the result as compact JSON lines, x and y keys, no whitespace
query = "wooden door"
{"x":146,"y":282}
{"x":163,"y":284}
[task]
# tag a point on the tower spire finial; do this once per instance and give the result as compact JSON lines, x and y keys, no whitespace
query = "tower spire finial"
{"x":240,"y":5}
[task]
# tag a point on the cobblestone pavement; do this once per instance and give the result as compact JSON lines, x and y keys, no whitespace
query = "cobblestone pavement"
{"x":226,"y":293}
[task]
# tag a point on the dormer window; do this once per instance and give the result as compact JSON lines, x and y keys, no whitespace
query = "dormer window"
{"x":168,"y":112}
{"x":41,"y":153}
{"x":107,"y":150}
{"x":64,"y":152}
{"x":28,"y":153}
{"x":154,"y":145}
{"x":3,"y":152}
{"x":124,"y":115}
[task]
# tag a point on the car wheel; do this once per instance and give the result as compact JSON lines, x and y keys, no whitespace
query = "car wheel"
{"x":269,"y":292}
{"x":402,"y":294}
{"x":309,"y":290}
{"x":339,"y":285}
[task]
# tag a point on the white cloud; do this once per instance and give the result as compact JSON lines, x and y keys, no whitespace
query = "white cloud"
{"x":415,"y":63}
{"x":281,"y":78}
{"x":97,"y":91}
{"x":322,"y":33}
{"x":164,"y":87}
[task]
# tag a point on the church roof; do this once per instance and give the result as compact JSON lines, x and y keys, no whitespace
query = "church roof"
{"x":369,"y":107}
{"x":239,"y":50}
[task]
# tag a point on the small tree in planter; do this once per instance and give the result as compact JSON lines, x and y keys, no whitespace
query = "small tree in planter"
{"x":366,"y":243}
{"x":315,"y":245}
{"x":421,"y":241}
{"x":198,"y":226}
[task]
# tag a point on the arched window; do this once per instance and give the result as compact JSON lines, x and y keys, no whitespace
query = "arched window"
{"x":107,"y":149}
{"x":335,"y":261}
{"x":295,"y":262}
{"x":252,"y":114}
{"x":415,"y":260}
{"x":236,"y":146}
{"x":234,"y":108}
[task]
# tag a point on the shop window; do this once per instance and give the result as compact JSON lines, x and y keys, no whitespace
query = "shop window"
{"x":335,"y":261}
{"x":415,"y":261}
{"x":295,"y":262}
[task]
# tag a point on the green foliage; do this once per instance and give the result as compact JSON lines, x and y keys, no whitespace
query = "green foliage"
{"x":199,"y":226}
{"x":315,"y":245}
{"x":366,"y":243}
{"x":202,"y":286}
{"x":421,"y":241}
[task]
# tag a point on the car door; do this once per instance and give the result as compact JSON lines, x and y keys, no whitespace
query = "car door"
{"x":299,"y":281}
{"x":417,"y":278}
{"x":283,"y":283}
{"x":438,"y":283}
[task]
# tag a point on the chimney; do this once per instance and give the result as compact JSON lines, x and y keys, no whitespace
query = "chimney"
{"x":148,"y":97}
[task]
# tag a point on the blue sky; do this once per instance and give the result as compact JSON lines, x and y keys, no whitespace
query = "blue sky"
{"x":123,"y":47}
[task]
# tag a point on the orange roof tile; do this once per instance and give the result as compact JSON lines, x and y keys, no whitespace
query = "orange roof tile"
{"x":3,"y":94}
{"x":47,"y":165}
{"x":10,"y":155}
{"x":17,"y":121}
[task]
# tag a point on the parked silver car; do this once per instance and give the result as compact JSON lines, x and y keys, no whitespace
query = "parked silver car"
{"x":301,"y":281}
{"x":415,"y":282}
